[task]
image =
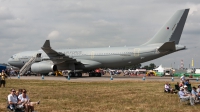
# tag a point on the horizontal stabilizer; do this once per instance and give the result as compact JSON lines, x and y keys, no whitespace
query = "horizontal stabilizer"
{"x":167,"y":46}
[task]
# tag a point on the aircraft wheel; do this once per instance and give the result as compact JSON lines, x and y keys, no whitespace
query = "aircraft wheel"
{"x":71,"y":74}
{"x":96,"y":74}
{"x":80,"y":74}
{"x":99,"y":75}
{"x":76,"y":74}
{"x":90,"y":74}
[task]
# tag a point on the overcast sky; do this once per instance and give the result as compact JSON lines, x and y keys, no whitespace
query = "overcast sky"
{"x":26,"y":24}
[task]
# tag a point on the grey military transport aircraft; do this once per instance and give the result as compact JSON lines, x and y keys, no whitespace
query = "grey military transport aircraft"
{"x":164,"y":42}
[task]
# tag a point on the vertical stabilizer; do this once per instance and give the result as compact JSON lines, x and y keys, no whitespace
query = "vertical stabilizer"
{"x":172,"y":30}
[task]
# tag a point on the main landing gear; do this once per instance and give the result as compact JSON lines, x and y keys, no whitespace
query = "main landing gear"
{"x":76,"y":74}
{"x":94,"y":74}
{"x":79,"y":74}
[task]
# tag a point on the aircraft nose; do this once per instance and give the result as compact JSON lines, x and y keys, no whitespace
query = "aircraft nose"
{"x":10,"y":60}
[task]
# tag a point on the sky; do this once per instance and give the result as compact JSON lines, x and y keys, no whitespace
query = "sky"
{"x":26,"y":24}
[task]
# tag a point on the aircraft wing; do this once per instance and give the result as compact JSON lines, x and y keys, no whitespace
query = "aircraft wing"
{"x":56,"y":57}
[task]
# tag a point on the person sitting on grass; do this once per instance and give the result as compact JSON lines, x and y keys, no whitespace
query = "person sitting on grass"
{"x":195,"y":94}
{"x":185,"y":97}
{"x":25,"y":101}
{"x":20,"y":91}
{"x":12,"y":100}
{"x":198,"y":89}
{"x":186,"y":90}
{"x":17,"y":93}
{"x":187,"y":82}
{"x":168,"y":88}
{"x":181,"y":84}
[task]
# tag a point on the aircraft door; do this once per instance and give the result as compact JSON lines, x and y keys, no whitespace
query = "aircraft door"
{"x":156,"y":51}
{"x":38,"y":57}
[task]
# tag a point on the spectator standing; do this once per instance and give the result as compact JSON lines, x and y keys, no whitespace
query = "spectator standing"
{"x":182,"y":78}
{"x":3,"y":78}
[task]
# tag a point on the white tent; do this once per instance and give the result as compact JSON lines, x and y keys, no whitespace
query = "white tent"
{"x":159,"y":69}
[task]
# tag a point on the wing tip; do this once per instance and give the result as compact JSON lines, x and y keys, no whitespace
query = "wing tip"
{"x":46,"y":44}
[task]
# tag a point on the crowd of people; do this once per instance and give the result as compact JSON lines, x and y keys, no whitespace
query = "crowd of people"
{"x":20,"y":100}
{"x":184,"y":94}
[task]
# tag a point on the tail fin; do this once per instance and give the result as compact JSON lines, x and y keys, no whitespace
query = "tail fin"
{"x":172,"y":30}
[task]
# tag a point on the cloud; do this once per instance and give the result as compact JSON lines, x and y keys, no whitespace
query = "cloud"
{"x":25,"y":25}
{"x":5,"y":13}
{"x":53,"y":35}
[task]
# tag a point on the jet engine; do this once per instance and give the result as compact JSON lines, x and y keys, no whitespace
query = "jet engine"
{"x":43,"y":67}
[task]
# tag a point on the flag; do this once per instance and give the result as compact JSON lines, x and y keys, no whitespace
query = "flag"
{"x":192,"y":63}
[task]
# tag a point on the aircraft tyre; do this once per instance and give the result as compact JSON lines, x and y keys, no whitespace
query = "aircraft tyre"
{"x":99,"y":75}
{"x":76,"y":74}
{"x":90,"y":74}
{"x":71,"y":74}
{"x":94,"y":74}
{"x":79,"y":74}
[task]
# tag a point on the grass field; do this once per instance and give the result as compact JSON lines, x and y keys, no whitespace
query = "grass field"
{"x":108,"y":96}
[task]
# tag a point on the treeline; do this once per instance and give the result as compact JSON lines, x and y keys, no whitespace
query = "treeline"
{"x":151,"y":66}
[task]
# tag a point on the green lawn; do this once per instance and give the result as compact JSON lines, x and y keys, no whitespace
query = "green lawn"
{"x":107,"y":96}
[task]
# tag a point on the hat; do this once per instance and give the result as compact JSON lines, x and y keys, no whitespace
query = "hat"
{"x":185,"y":86}
{"x":181,"y":88}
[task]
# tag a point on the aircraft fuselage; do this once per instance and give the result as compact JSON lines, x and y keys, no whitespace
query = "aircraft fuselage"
{"x":110,"y":57}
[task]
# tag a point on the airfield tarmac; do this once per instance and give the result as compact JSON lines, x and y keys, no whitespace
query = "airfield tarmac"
{"x":103,"y":78}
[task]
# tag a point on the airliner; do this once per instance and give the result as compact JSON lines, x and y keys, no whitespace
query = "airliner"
{"x":164,"y":42}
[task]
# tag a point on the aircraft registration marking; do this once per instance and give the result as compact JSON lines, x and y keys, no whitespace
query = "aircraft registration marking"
{"x":173,"y":27}
{"x":73,"y":52}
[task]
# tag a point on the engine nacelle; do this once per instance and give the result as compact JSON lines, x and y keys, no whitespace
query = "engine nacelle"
{"x":43,"y":67}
